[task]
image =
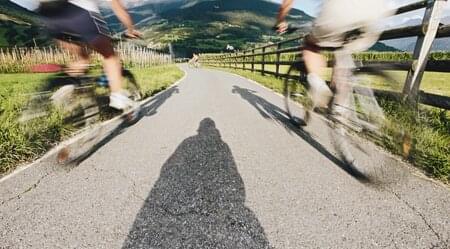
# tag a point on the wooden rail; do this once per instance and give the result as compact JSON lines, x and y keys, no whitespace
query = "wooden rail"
{"x":430,"y":29}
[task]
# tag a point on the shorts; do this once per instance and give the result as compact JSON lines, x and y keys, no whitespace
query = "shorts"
{"x":338,"y":17}
{"x":73,"y":23}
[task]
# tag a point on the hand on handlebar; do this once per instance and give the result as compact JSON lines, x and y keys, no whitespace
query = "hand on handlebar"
{"x":132,"y":34}
{"x":282,"y":27}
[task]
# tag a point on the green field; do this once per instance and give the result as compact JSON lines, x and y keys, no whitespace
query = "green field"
{"x":20,"y":143}
{"x":429,"y":127}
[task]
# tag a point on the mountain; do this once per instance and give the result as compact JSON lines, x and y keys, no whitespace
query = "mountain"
{"x":208,"y":25}
{"x":189,"y":25}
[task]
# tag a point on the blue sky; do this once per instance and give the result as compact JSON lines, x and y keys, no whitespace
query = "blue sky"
{"x":309,"y":6}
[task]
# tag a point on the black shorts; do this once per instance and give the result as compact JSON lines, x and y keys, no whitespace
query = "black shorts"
{"x":74,"y":23}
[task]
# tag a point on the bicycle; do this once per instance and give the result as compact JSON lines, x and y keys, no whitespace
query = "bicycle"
{"x":361,"y":112}
{"x":80,"y":100}
{"x":194,"y":64}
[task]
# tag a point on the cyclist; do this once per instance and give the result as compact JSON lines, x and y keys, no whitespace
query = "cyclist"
{"x":77,"y":23}
{"x":330,"y":29}
{"x":194,"y":60}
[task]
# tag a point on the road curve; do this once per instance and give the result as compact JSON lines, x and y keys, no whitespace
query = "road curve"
{"x":214,"y":163}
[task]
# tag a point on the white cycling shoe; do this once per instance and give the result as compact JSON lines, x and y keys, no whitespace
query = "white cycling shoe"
{"x":319,"y":91}
{"x":121,"y":101}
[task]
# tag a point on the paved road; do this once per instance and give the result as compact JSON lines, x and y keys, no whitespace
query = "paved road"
{"x":214,"y":164}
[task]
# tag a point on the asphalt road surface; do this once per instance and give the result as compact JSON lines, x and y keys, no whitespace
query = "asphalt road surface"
{"x":214,"y":163}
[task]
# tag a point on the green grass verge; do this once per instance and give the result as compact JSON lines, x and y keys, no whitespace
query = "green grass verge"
{"x":433,"y":82}
{"x":429,"y":129}
{"x":21,"y":143}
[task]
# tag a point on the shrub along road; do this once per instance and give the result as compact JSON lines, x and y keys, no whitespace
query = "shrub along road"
{"x":214,"y":163}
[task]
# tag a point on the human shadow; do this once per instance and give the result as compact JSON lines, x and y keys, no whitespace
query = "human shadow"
{"x":198,"y":200}
{"x":273,"y":112}
{"x":149,"y":108}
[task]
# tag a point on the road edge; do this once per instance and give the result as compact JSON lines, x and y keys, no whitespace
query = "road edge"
{"x":82,"y":134}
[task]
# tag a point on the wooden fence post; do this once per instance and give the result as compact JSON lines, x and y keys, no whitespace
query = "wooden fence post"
{"x":277,"y":69}
{"x":263,"y":60}
{"x":253,"y":60}
{"x":235,"y":60}
{"x":422,"y":50}
{"x":243,"y":61}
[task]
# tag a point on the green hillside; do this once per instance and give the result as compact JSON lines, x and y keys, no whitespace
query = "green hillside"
{"x":17,"y":27}
{"x":205,"y":26}
{"x":209,"y":26}
{"x":213,"y":25}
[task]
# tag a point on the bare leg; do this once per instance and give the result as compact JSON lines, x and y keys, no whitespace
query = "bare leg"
{"x":315,"y":65}
{"x":78,"y":67}
{"x":111,"y":62}
{"x":315,"y":62}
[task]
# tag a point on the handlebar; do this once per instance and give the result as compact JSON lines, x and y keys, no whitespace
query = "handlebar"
{"x":292,"y":28}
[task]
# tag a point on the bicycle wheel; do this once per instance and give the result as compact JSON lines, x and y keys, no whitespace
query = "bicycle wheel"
{"x":360,"y":112}
{"x":75,"y":103}
{"x":131,"y":86}
{"x":297,"y":100}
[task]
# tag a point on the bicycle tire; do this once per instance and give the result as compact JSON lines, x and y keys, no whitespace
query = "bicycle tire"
{"x":364,"y":115}
{"x":295,"y":90}
{"x":75,"y":102}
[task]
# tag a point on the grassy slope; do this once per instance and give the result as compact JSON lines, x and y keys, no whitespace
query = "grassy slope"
{"x":433,"y":82}
{"x":210,"y":25}
{"x":17,"y":27}
{"x":429,"y":129}
{"x":22,"y":143}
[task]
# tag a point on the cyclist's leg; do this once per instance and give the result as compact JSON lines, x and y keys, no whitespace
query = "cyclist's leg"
{"x":113,"y":69}
{"x":314,"y":61}
{"x":111,"y":62}
{"x":315,"y":65}
{"x":78,"y":67}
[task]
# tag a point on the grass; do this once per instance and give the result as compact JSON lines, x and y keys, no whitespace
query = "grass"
{"x":429,"y":128}
{"x":20,"y":143}
{"x":433,"y":82}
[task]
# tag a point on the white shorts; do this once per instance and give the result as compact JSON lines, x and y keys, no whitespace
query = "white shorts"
{"x":338,"y":17}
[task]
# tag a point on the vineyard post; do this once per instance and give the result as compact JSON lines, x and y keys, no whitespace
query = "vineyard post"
{"x":422,"y":50}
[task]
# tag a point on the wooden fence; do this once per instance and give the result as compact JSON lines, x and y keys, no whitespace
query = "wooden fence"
{"x":427,"y":32}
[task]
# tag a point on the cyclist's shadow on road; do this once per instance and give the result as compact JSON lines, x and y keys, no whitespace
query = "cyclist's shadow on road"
{"x":198,"y":200}
{"x":151,"y":107}
{"x":271,"y":111}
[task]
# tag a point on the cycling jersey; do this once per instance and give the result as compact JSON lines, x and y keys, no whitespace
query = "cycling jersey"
{"x":89,"y":5}
{"x":337,"y":17}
